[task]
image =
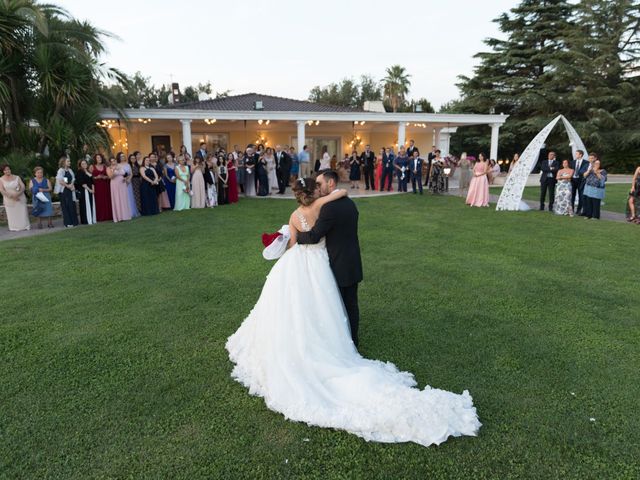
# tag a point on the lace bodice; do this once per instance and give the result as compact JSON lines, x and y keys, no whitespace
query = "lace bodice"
{"x":304,"y":224}
{"x":303,"y":221}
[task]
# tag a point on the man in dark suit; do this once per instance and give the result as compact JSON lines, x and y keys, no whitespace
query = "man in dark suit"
{"x":548,"y":171}
{"x":283,"y":169}
{"x":415,"y":167}
{"x":202,"y":153}
{"x":412,"y":148}
{"x":338,"y":224}
{"x":368,"y":159}
{"x":388,"y":159}
{"x":580,"y":166}
{"x":430,"y":157}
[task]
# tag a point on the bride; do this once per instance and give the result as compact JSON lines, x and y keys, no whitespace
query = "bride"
{"x":295,"y":350}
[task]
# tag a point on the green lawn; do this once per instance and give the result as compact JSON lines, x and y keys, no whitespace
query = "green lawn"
{"x":113,"y":361}
{"x":616,"y":196}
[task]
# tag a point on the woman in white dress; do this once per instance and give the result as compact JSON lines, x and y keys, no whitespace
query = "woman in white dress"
{"x":271,"y":169}
{"x":325,"y":161}
{"x":15,"y":203}
{"x":295,"y":350}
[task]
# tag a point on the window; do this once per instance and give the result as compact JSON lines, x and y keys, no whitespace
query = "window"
{"x":315,"y":145}
{"x":214,"y":141}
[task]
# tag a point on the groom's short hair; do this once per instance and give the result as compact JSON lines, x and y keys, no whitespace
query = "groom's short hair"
{"x":330,"y":175}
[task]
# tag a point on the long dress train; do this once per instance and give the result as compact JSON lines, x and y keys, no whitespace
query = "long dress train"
{"x":295,"y":350}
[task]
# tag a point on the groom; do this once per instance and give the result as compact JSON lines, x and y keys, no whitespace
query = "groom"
{"x":338,"y":223}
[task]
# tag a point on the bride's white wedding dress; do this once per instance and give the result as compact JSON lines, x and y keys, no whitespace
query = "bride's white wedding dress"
{"x":295,"y":350}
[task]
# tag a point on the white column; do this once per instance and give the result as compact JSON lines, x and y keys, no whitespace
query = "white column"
{"x":495,"y":131}
{"x":402,"y":134}
{"x":186,"y":134}
{"x":436,"y":138}
{"x":301,"y":139}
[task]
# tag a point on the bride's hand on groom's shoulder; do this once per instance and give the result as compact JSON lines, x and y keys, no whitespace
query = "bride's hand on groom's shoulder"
{"x":341,"y":192}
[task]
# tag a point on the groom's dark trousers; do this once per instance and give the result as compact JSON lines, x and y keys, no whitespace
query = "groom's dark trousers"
{"x":338,"y":224}
{"x":350,"y":300}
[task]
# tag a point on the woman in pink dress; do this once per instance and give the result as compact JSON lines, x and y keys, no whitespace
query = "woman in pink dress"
{"x":233,"y":182}
{"x":198,"y":187}
{"x":478,"y":195}
{"x":119,"y":192}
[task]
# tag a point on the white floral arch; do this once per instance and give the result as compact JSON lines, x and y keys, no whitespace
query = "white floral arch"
{"x":511,"y":196}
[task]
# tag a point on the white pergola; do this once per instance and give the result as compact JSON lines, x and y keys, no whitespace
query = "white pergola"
{"x":443,"y":124}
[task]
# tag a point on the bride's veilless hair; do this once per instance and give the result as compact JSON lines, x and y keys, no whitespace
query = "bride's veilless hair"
{"x":304,"y":189}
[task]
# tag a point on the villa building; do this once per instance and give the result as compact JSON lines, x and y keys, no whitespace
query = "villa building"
{"x":254,"y":118}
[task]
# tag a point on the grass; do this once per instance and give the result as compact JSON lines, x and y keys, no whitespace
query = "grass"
{"x":616,"y":196}
{"x":113,"y":361}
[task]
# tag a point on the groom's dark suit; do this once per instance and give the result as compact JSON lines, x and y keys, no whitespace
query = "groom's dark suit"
{"x":338,"y":223}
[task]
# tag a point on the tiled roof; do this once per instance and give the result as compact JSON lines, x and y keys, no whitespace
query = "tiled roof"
{"x":270,"y":104}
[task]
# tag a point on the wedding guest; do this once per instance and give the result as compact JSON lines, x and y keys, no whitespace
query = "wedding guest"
{"x":388,"y":162}
{"x":548,"y":171}
{"x":478,"y":195}
{"x":184,"y":153}
{"x":272,"y":173}
{"x":562,"y":204}
{"x":211,"y":180}
{"x":65,"y":188}
{"x":148,"y":191}
{"x":128,"y":177}
{"x":239,"y":159}
{"x":354,"y":169}
{"x":102,"y":189}
{"x":594,"y":185}
{"x":232,"y":189}
{"x":430,"y":157}
{"x":305,"y":162}
{"x":261,"y":174}
{"x":169,"y":179}
{"x":402,"y":169}
{"x":495,"y":171}
{"x":411,"y":149}
{"x":378,"y":171}
{"x":416,"y":171}
{"x":198,"y":189}
{"x":135,"y":161}
{"x":202,"y":152}
{"x":334,"y":162}
{"x":368,"y":164}
{"x":40,"y":188}
{"x":163,"y":197}
{"x":465,"y":171}
{"x":15,"y":202}
{"x":283,"y":168}
{"x":295,"y":165}
{"x":223,"y":182}
{"x":634,"y":198}
{"x":437,"y":174}
{"x":325,"y":161}
{"x":183,"y":185}
{"x":516,"y":158}
{"x":250,"y":179}
{"x":86,"y":194}
{"x":580,"y":166}
{"x":120,"y":205}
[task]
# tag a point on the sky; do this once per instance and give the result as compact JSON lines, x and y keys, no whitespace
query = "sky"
{"x":286,"y":47}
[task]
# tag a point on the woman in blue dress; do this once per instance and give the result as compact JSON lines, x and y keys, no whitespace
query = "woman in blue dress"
{"x":39,"y":187}
{"x":354,"y":169}
{"x":169,"y":179}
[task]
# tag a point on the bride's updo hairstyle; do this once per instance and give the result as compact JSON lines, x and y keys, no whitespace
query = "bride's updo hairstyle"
{"x":305,"y":189}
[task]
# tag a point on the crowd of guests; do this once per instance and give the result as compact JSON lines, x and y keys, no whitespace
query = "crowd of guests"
{"x":123,"y":188}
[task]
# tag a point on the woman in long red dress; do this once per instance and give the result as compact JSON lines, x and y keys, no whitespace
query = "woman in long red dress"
{"x":232,"y":190}
{"x":378,"y":171}
{"x":102,"y":189}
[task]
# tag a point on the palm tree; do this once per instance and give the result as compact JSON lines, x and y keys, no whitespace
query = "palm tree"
{"x":50,"y":73}
{"x":396,"y":86}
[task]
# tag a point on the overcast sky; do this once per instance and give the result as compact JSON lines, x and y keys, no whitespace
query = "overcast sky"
{"x":286,"y":47}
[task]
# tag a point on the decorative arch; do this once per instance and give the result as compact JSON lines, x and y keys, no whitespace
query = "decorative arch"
{"x":511,"y":196}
